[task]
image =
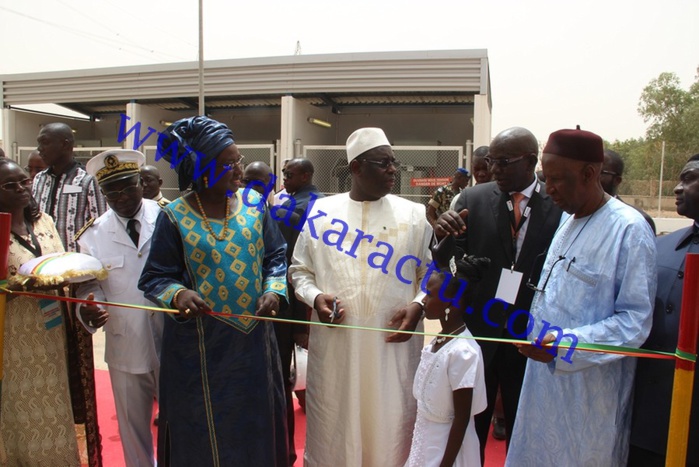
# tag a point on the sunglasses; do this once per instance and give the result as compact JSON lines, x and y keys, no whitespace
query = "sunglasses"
{"x":12,"y":186}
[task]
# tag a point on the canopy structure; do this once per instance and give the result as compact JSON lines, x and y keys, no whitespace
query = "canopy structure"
{"x":425,"y":98}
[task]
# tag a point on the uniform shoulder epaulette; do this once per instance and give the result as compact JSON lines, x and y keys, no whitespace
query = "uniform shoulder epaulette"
{"x":82,"y":230}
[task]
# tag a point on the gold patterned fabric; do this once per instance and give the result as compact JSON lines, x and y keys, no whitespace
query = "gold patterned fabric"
{"x":37,"y":419}
{"x":229,"y":275}
{"x":226,"y":369}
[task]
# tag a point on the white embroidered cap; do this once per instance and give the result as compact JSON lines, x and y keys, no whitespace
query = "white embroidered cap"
{"x":115,"y":164}
{"x":363,"y":140}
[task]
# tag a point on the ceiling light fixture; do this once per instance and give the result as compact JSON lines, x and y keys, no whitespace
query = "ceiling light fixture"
{"x":319,"y":122}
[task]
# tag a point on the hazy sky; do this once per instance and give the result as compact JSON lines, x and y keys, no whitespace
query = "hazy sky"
{"x":553,"y":64}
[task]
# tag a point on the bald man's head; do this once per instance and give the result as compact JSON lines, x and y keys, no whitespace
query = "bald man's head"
{"x":150,"y":175}
{"x":59,"y":129}
{"x":612,"y":172}
{"x":55,"y":144}
{"x":479,"y":168}
{"x":259,"y":172}
{"x":298,"y":173}
{"x":513,"y":155}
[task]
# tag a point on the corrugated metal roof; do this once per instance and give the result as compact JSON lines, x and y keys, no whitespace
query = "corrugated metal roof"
{"x":397,"y":78}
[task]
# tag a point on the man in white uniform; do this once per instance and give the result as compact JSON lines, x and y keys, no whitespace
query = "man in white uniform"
{"x":597,"y":286}
{"x":370,"y":251}
{"x":121,"y":240}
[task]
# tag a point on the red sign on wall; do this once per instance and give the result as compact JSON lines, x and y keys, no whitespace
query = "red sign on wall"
{"x":429,"y":182}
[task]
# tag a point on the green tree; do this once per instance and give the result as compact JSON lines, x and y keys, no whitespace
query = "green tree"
{"x":663,"y":104}
{"x":673,"y":115}
{"x":642,"y":165}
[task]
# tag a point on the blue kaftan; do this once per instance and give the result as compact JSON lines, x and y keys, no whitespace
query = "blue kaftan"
{"x":579,"y":413}
{"x":221,"y":392}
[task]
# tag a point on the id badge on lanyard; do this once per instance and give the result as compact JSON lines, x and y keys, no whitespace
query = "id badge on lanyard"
{"x":51,"y":311}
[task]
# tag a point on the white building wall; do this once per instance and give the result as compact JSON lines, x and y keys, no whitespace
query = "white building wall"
{"x":481,"y":121}
{"x":295,"y":126}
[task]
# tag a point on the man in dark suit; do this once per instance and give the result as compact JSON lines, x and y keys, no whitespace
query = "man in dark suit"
{"x":511,"y":221}
{"x":300,"y":192}
{"x":654,"y":378}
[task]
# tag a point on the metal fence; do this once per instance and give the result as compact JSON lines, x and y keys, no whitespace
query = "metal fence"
{"x":82,"y":154}
{"x":170,"y":189}
{"x":647,"y":187}
{"x":423,"y":169}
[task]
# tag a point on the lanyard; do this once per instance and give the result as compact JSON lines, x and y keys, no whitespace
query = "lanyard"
{"x":34,"y":247}
{"x":522,"y":220}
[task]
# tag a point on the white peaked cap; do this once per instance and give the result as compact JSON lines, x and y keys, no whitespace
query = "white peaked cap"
{"x":363,"y":140}
{"x":115,"y":164}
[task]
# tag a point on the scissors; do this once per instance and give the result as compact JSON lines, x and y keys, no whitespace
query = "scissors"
{"x":333,"y":314}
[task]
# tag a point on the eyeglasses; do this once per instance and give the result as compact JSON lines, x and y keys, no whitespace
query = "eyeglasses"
{"x":115,"y":195}
{"x":384,"y":164}
{"x":288,"y":174}
{"x":532,"y":285}
{"x":232,"y":165}
{"x":503,"y":162}
{"x":607,"y":172}
{"x":12,"y":186}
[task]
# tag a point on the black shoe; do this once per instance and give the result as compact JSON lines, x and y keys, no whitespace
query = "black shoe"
{"x":499,"y":432}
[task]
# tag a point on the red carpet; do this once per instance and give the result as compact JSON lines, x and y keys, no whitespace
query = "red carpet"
{"x":112,"y":453}
{"x":113,"y":456}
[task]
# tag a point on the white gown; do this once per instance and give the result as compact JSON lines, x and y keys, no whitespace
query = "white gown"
{"x":459,"y":364}
{"x":360,"y":409}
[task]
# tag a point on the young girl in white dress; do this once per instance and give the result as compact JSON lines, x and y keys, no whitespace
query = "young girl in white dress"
{"x":449,"y":385}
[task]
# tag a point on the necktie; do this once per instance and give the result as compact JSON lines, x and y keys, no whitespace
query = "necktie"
{"x":132,"y":230}
{"x":516,"y":199}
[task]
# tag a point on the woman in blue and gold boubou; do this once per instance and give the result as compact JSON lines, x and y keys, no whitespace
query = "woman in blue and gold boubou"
{"x":221,"y":390}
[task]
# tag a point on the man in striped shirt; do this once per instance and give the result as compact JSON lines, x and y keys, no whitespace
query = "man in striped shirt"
{"x":64,"y":190}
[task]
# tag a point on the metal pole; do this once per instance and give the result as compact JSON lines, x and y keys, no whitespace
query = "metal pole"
{"x":660,"y":185}
{"x":466,"y":160}
{"x":201,"y":57}
{"x":682,"y":388}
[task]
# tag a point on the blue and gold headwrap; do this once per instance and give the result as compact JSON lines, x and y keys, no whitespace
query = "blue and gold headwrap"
{"x":197,"y":140}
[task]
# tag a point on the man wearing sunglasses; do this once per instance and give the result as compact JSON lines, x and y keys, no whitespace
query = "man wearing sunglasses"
{"x":300,"y":191}
{"x":510,"y":220}
{"x":121,"y":240}
{"x":65,"y":191}
{"x":612,"y":176}
{"x":360,"y":408}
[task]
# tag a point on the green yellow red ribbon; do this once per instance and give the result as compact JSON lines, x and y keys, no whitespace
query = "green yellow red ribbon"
{"x":598,"y":348}
{"x":682,"y":355}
